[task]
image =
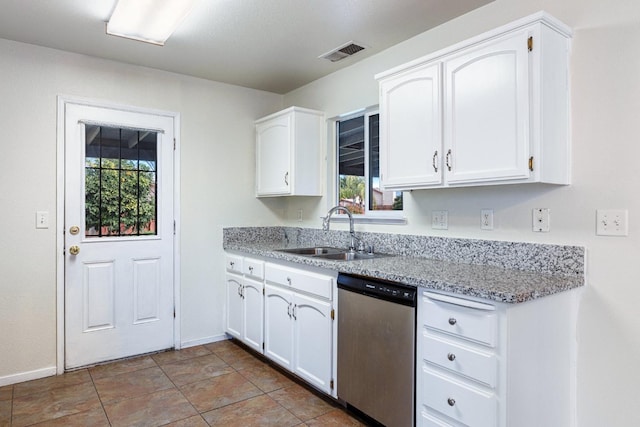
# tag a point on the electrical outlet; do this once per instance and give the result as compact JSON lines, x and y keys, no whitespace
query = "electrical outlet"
{"x":486,"y":219}
{"x":440,"y":220}
{"x":541,"y":220}
{"x":612,"y":222}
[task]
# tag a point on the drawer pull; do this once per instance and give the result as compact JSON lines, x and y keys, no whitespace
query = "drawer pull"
{"x":452,"y":321}
{"x":289,"y":280}
{"x":251,"y":269}
{"x":451,"y":401}
{"x":231,"y":264}
{"x":451,"y":357}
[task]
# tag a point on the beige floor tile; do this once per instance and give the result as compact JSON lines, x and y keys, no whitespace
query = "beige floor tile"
{"x":93,"y":418}
{"x":54,"y":403}
{"x":195,"y":421}
{"x":6,"y":392}
{"x":174,"y":356}
{"x":335,"y":418}
{"x":5,"y":413}
{"x":153,"y":409}
{"x":266,"y":378}
{"x":244,"y":361}
{"x":257,"y":411}
{"x":50,"y":383}
{"x":196,"y":369}
{"x":133,"y":384}
{"x":122,"y":367}
{"x":301,"y":402}
{"x":219,"y":391}
{"x":227,"y":350}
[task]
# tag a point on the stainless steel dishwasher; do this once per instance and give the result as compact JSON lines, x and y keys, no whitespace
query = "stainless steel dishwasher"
{"x":376,"y":348}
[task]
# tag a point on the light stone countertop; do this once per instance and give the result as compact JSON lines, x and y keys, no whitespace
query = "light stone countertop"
{"x":490,"y":282}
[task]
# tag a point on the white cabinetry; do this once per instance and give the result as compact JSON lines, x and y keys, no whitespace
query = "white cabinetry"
{"x":502,"y":117}
{"x":495,"y":365}
{"x":244,"y":319}
{"x":288,"y":153}
{"x":298,"y":323}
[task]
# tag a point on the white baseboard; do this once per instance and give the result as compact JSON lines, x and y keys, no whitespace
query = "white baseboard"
{"x":206,"y":340}
{"x":28,"y":376}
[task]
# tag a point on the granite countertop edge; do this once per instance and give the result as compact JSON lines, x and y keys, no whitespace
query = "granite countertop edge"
{"x":478,"y":281}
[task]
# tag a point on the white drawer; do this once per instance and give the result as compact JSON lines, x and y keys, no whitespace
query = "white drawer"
{"x":470,"y":323}
{"x":313,"y":283}
{"x":460,"y":359}
{"x":253,"y":268}
{"x":234,"y":263}
{"x":428,"y":420}
{"x":468,"y":405}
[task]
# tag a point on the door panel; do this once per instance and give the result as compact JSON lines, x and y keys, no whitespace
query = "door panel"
{"x":119,"y":225}
{"x":278,"y":339}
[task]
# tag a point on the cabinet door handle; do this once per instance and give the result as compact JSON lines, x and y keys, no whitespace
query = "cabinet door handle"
{"x":449,"y":155}
{"x":240,"y":290}
{"x":451,"y":401}
{"x":289,"y":310}
{"x":435,"y":158}
{"x":293,"y":311}
{"x":452,"y":321}
{"x":451,"y":357}
{"x":286,"y":178}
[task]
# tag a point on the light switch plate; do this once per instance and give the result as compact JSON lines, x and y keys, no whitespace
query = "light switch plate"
{"x":612,"y":222}
{"x":42,"y":219}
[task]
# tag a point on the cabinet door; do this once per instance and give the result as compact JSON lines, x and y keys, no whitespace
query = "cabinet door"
{"x":253,"y":314}
{"x":312,"y":341}
{"x":411,"y":129}
{"x":234,"y":305}
{"x":487,"y":112}
{"x":273,"y":156}
{"x":278,"y":326}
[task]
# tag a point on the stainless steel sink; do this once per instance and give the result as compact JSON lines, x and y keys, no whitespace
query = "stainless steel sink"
{"x":319,"y":250}
{"x":333,"y":254}
{"x":351,"y":256}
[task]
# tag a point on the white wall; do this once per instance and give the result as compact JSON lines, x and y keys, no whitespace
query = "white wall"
{"x":605,"y":72}
{"x":216,"y":185}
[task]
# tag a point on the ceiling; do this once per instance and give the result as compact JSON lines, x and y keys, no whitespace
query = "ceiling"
{"x":271,"y":45}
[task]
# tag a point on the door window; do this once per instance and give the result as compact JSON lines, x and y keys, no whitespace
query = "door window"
{"x":120,"y":181}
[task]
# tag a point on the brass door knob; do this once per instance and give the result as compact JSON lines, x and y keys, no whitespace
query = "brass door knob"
{"x":74,"y":250}
{"x":74,"y":230}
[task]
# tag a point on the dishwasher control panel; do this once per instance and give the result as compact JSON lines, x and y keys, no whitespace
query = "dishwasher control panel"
{"x":394,"y":292}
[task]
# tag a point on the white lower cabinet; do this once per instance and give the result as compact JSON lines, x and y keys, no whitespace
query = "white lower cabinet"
{"x":299,"y":329}
{"x":244,"y":298}
{"x":493,"y":364}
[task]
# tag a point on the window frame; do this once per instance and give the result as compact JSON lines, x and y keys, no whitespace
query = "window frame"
{"x":370,"y":216}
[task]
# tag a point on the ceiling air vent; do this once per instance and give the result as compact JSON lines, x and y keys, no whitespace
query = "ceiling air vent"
{"x":342,"y":52}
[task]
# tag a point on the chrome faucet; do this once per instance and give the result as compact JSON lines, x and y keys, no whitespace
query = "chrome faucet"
{"x":352,"y":233}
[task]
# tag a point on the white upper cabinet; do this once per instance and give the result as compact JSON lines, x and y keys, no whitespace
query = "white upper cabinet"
{"x":288,"y":153}
{"x":503,"y":116}
{"x":410,"y":123}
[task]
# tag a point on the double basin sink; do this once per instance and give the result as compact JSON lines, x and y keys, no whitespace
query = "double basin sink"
{"x":333,"y":254}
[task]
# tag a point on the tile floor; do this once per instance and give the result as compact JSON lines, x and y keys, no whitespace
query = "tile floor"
{"x":217,"y":384}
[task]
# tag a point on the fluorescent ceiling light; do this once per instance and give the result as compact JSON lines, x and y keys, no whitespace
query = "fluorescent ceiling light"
{"x":151,"y":21}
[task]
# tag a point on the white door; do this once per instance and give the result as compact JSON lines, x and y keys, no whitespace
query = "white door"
{"x":273,"y":146}
{"x":278,"y":334}
{"x":312,"y":339}
{"x":234,"y":305}
{"x":119,"y":233}
{"x":253,"y":301}
{"x":411,"y":129}
{"x":487,"y":112}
